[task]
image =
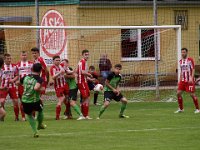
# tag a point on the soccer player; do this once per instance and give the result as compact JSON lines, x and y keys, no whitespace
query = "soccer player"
{"x":45,"y":72}
{"x":2,"y":111}
{"x":82,"y":74}
{"x":24,"y":68}
{"x":8,"y":79}
{"x":186,"y":82}
{"x":92,"y":82}
{"x":57,"y":72}
{"x":73,"y":89}
{"x":112,"y":92}
{"x":31,"y":98}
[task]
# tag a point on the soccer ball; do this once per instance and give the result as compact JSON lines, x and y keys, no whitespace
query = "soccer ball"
{"x":98,"y":88}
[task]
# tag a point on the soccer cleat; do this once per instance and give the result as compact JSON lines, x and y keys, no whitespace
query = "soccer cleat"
{"x":123,"y":116}
{"x":98,"y":118}
{"x":179,"y":111}
{"x":42,"y":126}
{"x":23,"y":119}
{"x":97,"y":104}
{"x":88,"y":118}
{"x":81,"y":118}
{"x":197,"y":111}
{"x":36,"y":135}
{"x":2,"y":119}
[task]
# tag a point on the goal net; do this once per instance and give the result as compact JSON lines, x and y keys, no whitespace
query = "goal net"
{"x":148,"y":54}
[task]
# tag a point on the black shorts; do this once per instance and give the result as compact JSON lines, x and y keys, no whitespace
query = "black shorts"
{"x":30,"y":107}
{"x":109,"y":95}
{"x":91,"y":86}
{"x":73,"y":94}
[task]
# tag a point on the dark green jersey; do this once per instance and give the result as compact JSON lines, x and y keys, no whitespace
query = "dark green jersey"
{"x":114,"y":81}
{"x":29,"y":82}
{"x":71,"y":81}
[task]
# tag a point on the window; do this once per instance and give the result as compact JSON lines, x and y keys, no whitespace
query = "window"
{"x":138,"y":44}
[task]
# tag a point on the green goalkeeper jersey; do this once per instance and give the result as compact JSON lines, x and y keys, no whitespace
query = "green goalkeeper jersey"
{"x":71,"y":82}
{"x":29,"y":82}
{"x":114,"y":81}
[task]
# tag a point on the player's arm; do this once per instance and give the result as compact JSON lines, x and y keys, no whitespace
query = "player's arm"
{"x":193,"y":72}
{"x":55,"y":75}
{"x":16,"y":77}
{"x":38,"y":86}
{"x":70,"y":76}
{"x":83,"y":70}
{"x":44,"y":66}
{"x":47,"y":74}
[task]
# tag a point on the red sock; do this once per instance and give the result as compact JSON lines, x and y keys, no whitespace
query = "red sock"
{"x":195,"y":100}
{"x":86,"y":109}
{"x":16,"y":110}
{"x":58,"y":110}
{"x":180,"y":102}
{"x":22,"y":111}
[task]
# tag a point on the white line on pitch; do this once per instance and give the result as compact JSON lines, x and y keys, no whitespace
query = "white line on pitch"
{"x":107,"y":131}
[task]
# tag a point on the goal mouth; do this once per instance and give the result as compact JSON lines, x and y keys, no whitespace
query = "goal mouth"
{"x":138,"y":48}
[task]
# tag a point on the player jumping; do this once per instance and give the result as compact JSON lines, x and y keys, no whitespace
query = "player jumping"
{"x":112,"y":92}
{"x":186,"y":82}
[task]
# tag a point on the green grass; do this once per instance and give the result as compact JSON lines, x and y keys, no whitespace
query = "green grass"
{"x":152,"y":126}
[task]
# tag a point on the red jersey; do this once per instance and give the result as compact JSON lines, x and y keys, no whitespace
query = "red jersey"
{"x":8,"y":72}
{"x":82,"y":66}
{"x":186,"y":67}
{"x":60,"y":80}
{"x":24,"y":68}
{"x":44,"y":66}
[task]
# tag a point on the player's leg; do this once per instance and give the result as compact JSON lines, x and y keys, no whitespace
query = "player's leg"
{"x":20,"y":93}
{"x":72,"y":99}
{"x":103,"y":108}
{"x":2,"y":113}
{"x":13,"y":95}
{"x":108,"y":96}
{"x":40,"y":116}
{"x":58,"y":107}
{"x":28,"y":109}
{"x":123,"y":107}
{"x":95,"y":98}
{"x":180,"y":101}
{"x":85,"y":93}
{"x":196,"y":103}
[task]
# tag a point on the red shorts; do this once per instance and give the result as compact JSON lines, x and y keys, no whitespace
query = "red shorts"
{"x":11,"y":91}
{"x":62,"y":91}
{"x":44,"y":85}
{"x":188,"y":87}
{"x":84,"y":89}
{"x":20,"y":91}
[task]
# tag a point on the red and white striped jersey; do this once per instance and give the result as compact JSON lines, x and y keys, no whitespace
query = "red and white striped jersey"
{"x":60,"y":80}
{"x":24,"y":68}
{"x":8,"y":72}
{"x":82,"y":66}
{"x":186,"y":66}
{"x":44,"y":66}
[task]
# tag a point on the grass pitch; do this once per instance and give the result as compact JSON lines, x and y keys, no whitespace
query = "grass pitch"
{"x":151,"y":126}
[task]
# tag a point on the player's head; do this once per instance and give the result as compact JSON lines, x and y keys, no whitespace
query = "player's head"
{"x":1,"y":62}
{"x":184,"y":52}
{"x":117,"y":68}
{"x":37,"y":68}
{"x":65,"y":62}
{"x":56,"y":60}
{"x":7,"y":59}
{"x":92,"y":68}
{"x":23,"y":55}
{"x":85,"y":54}
{"x":35,"y":52}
